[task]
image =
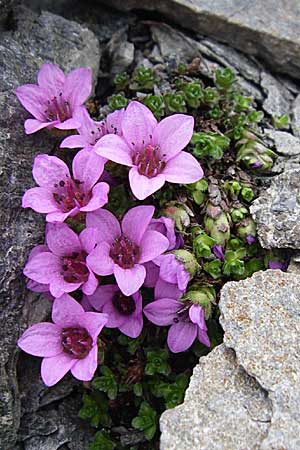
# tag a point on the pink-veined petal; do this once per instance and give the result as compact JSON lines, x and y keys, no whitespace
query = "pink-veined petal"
{"x":138,"y":124}
{"x":99,"y":260}
{"x":115,"y":149}
{"x":40,"y":199}
{"x":51,"y":78}
{"x":104,"y":294}
{"x":68,"y":124}
{"x":94,"y":322}
{"x":163,"y":289}
{"x":84,"y":369}
{"x":172,"y":134}
{"x":53,"y":369}
{"x":61,"y":240}
{"x":183,"y":168}
{"x":89,"y":237}
{"x":130,"y":280}
{"x":136,"y":221}
{"x":99,"y":197}
{"x":163,"y":311}
{"x":107,"y":224}
{"x":66,"y":311}
{"x":87,"y":168}
{"x":78,"y":86}
{"x":152,"y":274}
{"x":49,"y":170}
{"x":34,"y":99}
{"x":74,"y":141}
{"x":33,"y":125}
{"x":133,"y":326}
{"x":196,"y":313}
{"x":152,"y":244}
{"x":181,"y":336}
{"x":114,"y":122}
{"x":142,"y":186}
{"x":42,"y":267}
{"x":89,"y":287}
{"x":59,"y":216}
{"x":42,"y":339}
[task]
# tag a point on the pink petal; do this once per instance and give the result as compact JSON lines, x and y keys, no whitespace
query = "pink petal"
{"x":84,"y":369}
{"x":107,"y":224}
{"x":152,"y":274}
{"x":99,"y":197}
{"x":130,"y":280}
{"x":51,"y":78}
{"x":104,"y":294}
{"x":38,"y":249}
{"x":184,"y":169}
{"x":93,"y":322}
{"x":142,"y":186}
{"x":58,"y":286}
{"x":173,"y":133}
{"x":34,"y":99}
{"x":89,"y":237}
{"x":181,"y":336}
{"x":114,"y":121}
{"x":40,"y":200}
{"x":68,"y":124}
{"x":42,"y":339}
{"x":86,"y":304}
{"x":163,"y":311}
{"x":87,"y":167}
{"x":115,"y":149}
{"x":59,"y":216}
{"x":90,"y":285}
{"x":133,"y":326}
{"x":183,"y":278}
{"x":78,"y":86}
{"x":115,"y":318}
{"x":42,"y":267}
{"x":33,"y":125}
{"x":152,"y":244}
{"x":55,"y":368}
{"x":138,"y":124}
{"x":89,"y":129}
{"x":66,"y":311}
{"x":163,"y":289}
{"x":37,"y":287}
{"x":99,"y":260}
{"x":203,"y":337}
{"x":168,"y":268}
{"x":136,"y":221}
{"x":74,"y":141}
{"x":61,"y":240}
{"x":196,"y":313}
{"x":49,"y":170}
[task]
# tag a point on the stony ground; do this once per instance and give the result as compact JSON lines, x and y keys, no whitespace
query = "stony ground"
{"x":252,"y":398}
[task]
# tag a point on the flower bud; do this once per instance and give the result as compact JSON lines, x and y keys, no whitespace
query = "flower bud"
{"x":247,"y":194}
{"x":238,"y":214}
{"x":217,"y":227}
{"x":232,"y":188}
{"x":202,"y":244}
{"x":253,"y":153}
{"x":188,"y":260}
{"x":233,"y":264}
{"x":246,"y":228}
{"x":204,"y":296}
{"x":180,"y":213}
{"x":213,"y":268}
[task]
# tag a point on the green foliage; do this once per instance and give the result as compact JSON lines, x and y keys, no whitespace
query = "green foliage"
{"x":281,"y":122}
{"x":157,"y":362}
{"x":193,"y":94}
{"x":117,"y":101}
{"x":106,"y":383}
{"x":225,"y":78}
{"x":213,"y":268}
{"x":155,"y":103}
{"x":209,"y":145}
{"x":175,"y":103}
{"x":146,"y":420}
{"x":121,"y":81}
{"x":95,"y":410}
{"x":102,"y":441}
{"x":143,"y":79}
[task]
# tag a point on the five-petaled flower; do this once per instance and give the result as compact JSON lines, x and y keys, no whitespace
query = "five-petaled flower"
{"x":152,"y":150}
{"x":70,"y":343}
{"x":124,"y":249}
{"x":64,"y":266}
{"x":53,"y":101}
{"x":90,"y":131}
{"x":186,"y":319}
{"x":60,"y":195}
{"x":125,"y":313}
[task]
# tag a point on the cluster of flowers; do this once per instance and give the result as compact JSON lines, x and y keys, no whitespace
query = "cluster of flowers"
{"x":139,"y":251}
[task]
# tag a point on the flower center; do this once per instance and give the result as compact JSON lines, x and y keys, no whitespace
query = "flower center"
{"x":125,"y":305}
{"x":124,"y":252}
{"x":182,"y":314}
{"x":58,"y":109}
{"x":74,"y":268}
{"x":149,"y":161}
{"x":68,"y":194}
{"x":97,"y":132}
{"x":76,"y":342}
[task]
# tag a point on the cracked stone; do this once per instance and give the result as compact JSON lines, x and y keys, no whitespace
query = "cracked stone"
{"x":279,"y":98}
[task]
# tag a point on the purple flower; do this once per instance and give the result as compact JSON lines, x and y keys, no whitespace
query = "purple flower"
{"x":60,"y":195}
{"x":70,"y":343}
{"x":64,"y":266}
{"x":152,"y":274}
{"x":173,"y":271}
{"x":152,"y":150}
{"x":165,"y":226}
{"x":218,"y":252}
{"x":55,"y":98}
{"x":123,"y":250}
{"x":186,"y":319}
{"x":125,"y":313}
{"x":281,"y":265}
{"x":91,"y":131}
{"x":250,"y":239}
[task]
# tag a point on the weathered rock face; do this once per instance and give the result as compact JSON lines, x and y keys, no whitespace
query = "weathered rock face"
{"x":224,"y":408}
{"x":277,"y":212}
{"x":21,"y":54}
{"x":269,"y":29}
{"x":245,"y":393}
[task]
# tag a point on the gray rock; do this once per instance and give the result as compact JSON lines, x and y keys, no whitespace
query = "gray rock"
{"x":277,"y":212}
{"x":121,"y":52}
{"x":260,"y":317}
{"x":21,"y":54}
{"x":279,"y":98}
{"x":269,"y":29}
{"x":296,"y":116}
{"x":285,"y":143}
{"x":224,"y":408}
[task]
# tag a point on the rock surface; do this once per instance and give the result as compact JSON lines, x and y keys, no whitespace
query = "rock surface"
{"x":224,"y":408}
{"x":21,"y":54}
{"x":269,"y":29}
{"x":245,"y":393}
{"x":277,"y":212}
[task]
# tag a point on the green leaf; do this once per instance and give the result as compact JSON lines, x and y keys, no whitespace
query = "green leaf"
{"x":157,"y":362}
{"x":146,"y":420}
{"x":95,"y":410}
{"x":106,"y":383}
{"x":102,"y":442}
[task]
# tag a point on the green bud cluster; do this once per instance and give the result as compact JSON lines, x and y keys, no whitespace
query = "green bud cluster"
{"x":121,"y":81}
{"x":225,"y":78}
{"x":180,"y":213}
{"x":143,"y":79}
{"x":155,"y":103}
{"x":117,"y":101}
{"x":175,"y":102}
{"x":198,"y":190}
{"x":209,"y":145}
{"x":252,"y":153}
